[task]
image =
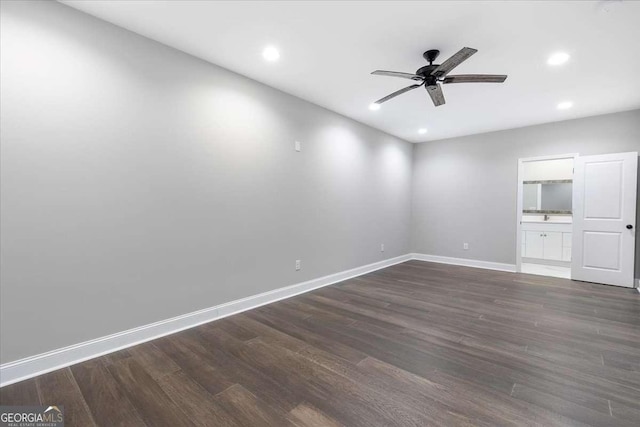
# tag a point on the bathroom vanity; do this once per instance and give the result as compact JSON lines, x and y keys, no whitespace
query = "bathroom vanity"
{"x":546,"y":220}
{"x":546,"y":240}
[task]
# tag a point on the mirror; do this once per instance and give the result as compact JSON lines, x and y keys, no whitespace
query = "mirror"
{"x":553,"y":197}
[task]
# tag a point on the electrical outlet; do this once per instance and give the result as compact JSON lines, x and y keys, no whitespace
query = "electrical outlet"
{"x":297,"y":145}
{"x":465,"y":246}
{"x":298,"y":265}
{"x":382,"y":247}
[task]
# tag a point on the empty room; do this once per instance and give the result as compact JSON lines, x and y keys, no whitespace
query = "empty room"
{"x":319,"y":213}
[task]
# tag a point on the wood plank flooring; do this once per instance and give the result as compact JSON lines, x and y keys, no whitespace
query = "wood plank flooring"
{"x":415,"y":344}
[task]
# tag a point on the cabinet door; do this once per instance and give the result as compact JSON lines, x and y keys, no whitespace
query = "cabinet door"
{"x":534,"y":244}
{"x":552,"y":245}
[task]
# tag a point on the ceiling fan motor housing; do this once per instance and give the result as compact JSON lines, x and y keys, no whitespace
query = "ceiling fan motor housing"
{"x":426,"y":70}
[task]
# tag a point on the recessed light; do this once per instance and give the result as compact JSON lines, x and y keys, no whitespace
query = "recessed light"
{"x":565,"y":105}
{"x":374,"y":106}
{"x":270,"y":53}
{"x":558,"y":58}
{"x":422,"y":131}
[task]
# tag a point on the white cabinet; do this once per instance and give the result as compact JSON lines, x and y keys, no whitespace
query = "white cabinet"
{"x":551,"y":245}
{"x":534,"y":244}
{"x":566,"y":246}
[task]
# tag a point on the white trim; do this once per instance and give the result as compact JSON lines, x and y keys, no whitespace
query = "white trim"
{"x":520,"y":193}
{"x":29,"y":367}
{"x":488,"y":265}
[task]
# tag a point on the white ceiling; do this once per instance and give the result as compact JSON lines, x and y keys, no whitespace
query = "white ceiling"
{"x":328,"y":50}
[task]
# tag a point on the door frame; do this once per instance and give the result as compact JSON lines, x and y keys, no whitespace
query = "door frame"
{"x":519,"y":196}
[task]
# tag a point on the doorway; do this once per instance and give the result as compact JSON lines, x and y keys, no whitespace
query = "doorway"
{"x":545,"y":215}
{"x":576,"y":217}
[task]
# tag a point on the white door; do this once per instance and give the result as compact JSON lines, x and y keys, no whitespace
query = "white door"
{"x":604,"y":213}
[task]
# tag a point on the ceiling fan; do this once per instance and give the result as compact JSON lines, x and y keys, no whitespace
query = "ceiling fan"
{"x":433,"y":74}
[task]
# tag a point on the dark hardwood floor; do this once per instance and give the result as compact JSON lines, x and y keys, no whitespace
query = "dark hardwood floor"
{"x":412,"y":345}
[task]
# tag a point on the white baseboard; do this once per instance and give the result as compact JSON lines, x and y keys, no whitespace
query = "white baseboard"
{"x":488,"y":265}
{"x":29,"y":367}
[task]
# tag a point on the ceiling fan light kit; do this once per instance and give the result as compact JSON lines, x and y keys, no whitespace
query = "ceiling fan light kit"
{"x":430,"y":76}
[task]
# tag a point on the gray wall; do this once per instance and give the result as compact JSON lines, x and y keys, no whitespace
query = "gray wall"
{"x":465,"y":188}
{"x":140,"y":183}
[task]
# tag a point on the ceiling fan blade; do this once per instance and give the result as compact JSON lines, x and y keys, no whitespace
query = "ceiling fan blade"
{"x":475,"y":78}
{"x":451,"y":63}
{"x":396,"y":93}
{"x":398,"y":74}
{"x":435,"y":92}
